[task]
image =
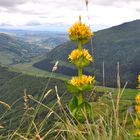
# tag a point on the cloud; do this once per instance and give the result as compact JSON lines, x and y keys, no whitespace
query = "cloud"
{"x":11,"y":3}
{"x":33,"y":23}
{"x":138,"y":9}
{"x":112,"y":2}
{"x":5,"y":24}
{"x":104,"y":13}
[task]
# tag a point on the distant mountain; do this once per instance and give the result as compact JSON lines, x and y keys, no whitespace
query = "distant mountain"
{"x":116,"y":44}
{"x":43,"y":39}
{"x":14,"y":50}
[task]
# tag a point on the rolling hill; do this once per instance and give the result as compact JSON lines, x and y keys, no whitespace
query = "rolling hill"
{"x":116,"y":44}
{"x":14,"y":50}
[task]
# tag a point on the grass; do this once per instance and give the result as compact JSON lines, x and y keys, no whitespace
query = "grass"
{"x":57,"y":124}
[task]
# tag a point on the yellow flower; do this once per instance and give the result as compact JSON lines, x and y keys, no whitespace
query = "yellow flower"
{"x":137,"y":133}
{"x":137,"y":109}
{"x":87,"y":55}
{"x":77,"y":54}
{"x":137,"y":122}
{"x":81,"y":81}
{"x":80,"y":32}
{"x":137,"y":98}
{"x":139,"y":79}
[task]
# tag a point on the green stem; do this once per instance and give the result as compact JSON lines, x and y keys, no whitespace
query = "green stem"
{"x":80,"y":68}
{"x":79,"y":45}
{"x":80,"y":98}
{"x":80,"y":73}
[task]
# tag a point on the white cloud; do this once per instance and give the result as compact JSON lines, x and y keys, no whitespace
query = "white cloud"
{"x":103,"y":13}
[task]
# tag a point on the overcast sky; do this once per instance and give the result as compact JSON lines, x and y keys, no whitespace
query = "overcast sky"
{"x":62,"y":13}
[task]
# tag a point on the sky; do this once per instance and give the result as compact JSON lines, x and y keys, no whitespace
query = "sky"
{"x":60,"y":14}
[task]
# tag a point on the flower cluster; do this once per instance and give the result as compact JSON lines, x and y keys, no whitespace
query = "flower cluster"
{"x":80,"y":57}
{"x":83,"y":80}
{"x":80,"y":32}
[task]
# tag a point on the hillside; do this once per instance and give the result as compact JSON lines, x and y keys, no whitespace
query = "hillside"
{"x":12,"y":86}
{"x":120,"y":43}
{"x":14,"y":50}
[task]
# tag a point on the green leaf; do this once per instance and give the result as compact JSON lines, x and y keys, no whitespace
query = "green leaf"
{"x":73,"y":105}
{"x":73,"y":89}
{"x":83,"y":111}
{"x":86,"y":87}
{"x":76,"y":90}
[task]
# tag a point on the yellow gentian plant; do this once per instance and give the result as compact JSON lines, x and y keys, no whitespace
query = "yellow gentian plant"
{"x":79,"y":57}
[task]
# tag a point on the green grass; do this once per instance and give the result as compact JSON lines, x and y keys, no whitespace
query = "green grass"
{"x":68,"y":128}
{"x":12,"y":87}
